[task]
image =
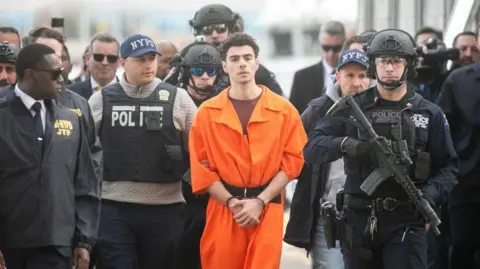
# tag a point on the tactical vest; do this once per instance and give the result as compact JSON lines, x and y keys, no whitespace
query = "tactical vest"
{"x":384,"y":120}
{"x":139,"y":139}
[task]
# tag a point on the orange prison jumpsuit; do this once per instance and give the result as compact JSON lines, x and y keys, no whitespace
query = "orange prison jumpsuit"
{"x":276,"y":138}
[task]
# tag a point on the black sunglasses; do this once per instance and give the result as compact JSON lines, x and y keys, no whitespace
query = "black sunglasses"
{"x":98,"y":57}
{"x":334,"y":48}
{"x":56,"y":73}
{"x":219,"y":28}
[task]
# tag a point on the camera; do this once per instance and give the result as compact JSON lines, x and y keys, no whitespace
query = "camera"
{"x":433,"y":59}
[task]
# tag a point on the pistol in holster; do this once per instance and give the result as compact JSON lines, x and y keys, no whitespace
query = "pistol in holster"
{"x":329,"y":216}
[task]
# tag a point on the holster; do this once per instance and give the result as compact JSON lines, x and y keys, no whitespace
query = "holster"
{"x":329,"y":216}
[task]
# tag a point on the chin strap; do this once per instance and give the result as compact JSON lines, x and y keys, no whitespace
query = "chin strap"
{"x":393,"y":84}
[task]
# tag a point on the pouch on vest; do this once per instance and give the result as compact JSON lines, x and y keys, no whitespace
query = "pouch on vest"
{"x":153,"y":120}
{"x":422,"y":165}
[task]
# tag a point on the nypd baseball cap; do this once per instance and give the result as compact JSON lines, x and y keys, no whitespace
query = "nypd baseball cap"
{"x":352,"y":56}
{"x":136,"y":46}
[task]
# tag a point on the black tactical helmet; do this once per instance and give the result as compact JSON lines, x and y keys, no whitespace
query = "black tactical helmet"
{"x":213,"y":14}
{"x":8,"y":52}
{"x":392,"y":42}
{"x":201,"y":54}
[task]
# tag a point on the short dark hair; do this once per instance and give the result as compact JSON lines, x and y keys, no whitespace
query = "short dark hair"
{"x":67,"y":53}
{"x":101,"y":37}
{"x":469,"y":33}
{"x":46,"y":32}
{"x":238,"y":40}
{"x":30,"y":57}
{"x":9,"y":29}
{"x":352,"y":40}
{"x":429,"y":30}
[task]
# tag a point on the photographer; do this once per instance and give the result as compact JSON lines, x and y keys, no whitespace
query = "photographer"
{"x":432,"y":67}
{"x":466,"y":43}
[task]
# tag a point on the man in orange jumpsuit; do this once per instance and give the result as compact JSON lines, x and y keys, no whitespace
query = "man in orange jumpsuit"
{"x":245,"y":146}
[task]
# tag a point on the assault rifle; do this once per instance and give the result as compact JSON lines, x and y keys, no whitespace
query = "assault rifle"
{"x":391,"y":166}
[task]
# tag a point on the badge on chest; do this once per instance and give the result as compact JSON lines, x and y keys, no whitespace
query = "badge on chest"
{"x":385,"y":116}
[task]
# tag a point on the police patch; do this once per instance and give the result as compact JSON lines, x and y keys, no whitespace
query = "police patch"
{"x":420,"y":121}
{"x":163,"y":95}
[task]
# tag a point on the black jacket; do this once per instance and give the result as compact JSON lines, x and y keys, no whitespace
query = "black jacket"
{"x":80,"y":106}
{"x":49,"y":200}
{"x":82,"y":88}
{"x":460,"y":101}
{"x":305,"y":207}
{"x":308,"y":84}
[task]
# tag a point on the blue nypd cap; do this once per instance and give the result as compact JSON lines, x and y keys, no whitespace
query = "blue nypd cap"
{"x":352,"y":56}
{"x":136,"y":46}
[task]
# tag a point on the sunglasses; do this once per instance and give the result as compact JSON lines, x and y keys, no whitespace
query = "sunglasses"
{"x":219,"y":28}
{"x":56,"y":73}
{"x":198,"y":71}
{"x":110,"y":58}
{"x":334,"y":48}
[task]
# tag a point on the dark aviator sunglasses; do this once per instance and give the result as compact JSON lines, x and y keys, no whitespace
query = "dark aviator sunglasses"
{"x":219,"y":28}
{"x":56,"y":73}
{"x":98,"y":57}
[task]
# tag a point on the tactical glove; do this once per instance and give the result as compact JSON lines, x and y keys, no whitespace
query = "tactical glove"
{"x":353,"y":147}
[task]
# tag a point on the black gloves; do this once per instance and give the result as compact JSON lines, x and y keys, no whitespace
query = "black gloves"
{"x":353,"y":147}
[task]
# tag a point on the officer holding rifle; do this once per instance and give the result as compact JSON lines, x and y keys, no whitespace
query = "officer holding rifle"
{"x":399,"y":160}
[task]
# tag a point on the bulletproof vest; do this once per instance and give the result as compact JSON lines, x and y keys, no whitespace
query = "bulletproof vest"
{"x":385,"y":121}
{"x":139,"y":139}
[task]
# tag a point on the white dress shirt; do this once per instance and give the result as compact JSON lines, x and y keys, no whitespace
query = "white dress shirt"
{"x":327,"y":74}
{"x":28,"y":101}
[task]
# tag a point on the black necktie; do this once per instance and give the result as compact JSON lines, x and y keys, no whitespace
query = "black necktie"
{"x":37,"y":107}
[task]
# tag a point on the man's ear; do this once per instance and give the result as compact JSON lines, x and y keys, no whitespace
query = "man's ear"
{"x":224,"y":67}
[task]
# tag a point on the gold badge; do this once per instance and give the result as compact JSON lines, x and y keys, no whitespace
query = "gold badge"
{"x":163,"y":95}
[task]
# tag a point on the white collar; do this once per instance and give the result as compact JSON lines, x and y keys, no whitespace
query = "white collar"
{"x":27,"y":100}
{"x":95,"y":84}
{"x":328,"y":68}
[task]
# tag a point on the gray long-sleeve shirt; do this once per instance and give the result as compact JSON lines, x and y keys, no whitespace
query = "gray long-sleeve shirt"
{"x":184,"y":110}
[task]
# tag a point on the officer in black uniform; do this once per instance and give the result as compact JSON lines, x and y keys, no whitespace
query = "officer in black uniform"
{"x":460,"y":100}
{"x":383,"y":230}
{"x":49,"y":194}
{"x":8,"y":57}
{"x":216,"y":22}
{"x":199,"y":67}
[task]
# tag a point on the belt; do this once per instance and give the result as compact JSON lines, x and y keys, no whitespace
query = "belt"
{"x":379,"y":204}
{"x":249,"y":192}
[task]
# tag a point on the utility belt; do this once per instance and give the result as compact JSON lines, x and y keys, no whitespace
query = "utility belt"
{"x":357,"y":203}
{"x":249,"y":192}
{"x":335,"y":226}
